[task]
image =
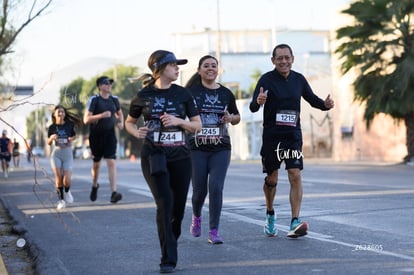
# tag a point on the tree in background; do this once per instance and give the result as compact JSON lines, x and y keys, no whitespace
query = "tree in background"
{"x":10,"y":29}
{"x":70,"y":97}
{"x":378,"y":47}
{"x":15,"y":16}
{"x":125,"y":90}
{"x":122,"y":87}
{"x":75,"y":95}
{"x":255,"y":77}
{"x":37,"y":124}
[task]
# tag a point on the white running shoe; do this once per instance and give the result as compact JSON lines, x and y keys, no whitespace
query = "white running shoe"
{"x":68,"y":197}
{"x":61,"y":204}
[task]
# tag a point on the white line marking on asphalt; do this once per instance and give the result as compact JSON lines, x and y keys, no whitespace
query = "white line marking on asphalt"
{"x":313,"y":235}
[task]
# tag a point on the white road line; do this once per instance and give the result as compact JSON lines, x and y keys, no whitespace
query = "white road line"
{"x":316,"y":236}
{"x":311,"y":235}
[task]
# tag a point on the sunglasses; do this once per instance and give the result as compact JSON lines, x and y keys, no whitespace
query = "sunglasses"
{"x":106,"y":82}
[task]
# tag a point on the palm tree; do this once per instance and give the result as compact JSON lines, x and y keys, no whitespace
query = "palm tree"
{"x":379,"y":48}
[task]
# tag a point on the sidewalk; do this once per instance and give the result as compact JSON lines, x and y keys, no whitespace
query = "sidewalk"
{"x":13,"y":259}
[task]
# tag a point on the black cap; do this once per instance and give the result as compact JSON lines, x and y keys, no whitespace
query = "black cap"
{"x":104,"y":80}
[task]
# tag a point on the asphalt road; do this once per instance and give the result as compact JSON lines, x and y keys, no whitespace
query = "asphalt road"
{"x":360,"y":218}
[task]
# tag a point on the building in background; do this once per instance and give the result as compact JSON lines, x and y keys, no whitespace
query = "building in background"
{"x":339,"y":134}
{"x":12,"y":104}
{"x":384,"y":141}
{"x":244,"y":52}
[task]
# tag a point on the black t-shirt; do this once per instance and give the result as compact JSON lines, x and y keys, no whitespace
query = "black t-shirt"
{"x":63,"y":131}
{"x":212,"y":104}
{"x":151,"y":103}
{"x":4,"y":145}
{"x":281,"y":113}
{"x":96,"y":105}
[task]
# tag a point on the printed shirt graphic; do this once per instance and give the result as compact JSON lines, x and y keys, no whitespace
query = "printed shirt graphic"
{"x":151,"y":103}
{"x":63,"y":131}
{"x":212,"y":105}
{"x":165,"y":136}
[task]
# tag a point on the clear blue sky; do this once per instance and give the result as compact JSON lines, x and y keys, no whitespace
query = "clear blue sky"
{"x":76,"y":29}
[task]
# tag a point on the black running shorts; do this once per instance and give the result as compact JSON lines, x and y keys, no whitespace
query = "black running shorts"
{"x":277,"y":150}
{"x":103,"y":145}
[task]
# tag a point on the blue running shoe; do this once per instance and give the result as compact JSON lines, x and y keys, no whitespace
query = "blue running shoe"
{"x":298,"y":228}
{"x":270,"y":227}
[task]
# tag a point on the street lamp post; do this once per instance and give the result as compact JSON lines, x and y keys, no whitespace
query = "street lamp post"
{"x":218,"y":44}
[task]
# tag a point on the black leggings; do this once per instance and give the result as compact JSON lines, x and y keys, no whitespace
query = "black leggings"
{"x":170,"y":194}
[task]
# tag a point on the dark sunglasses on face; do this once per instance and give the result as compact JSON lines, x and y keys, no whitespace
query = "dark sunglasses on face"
{"x":106,"y":82}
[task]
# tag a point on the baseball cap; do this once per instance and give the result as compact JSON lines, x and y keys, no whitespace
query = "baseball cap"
{"x":4,"y":132}
{"x":169,"y":58}
{"x":104,"y":80}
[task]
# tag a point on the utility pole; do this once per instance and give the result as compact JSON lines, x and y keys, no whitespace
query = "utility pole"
{"x":218,"y":44}
{"x":37,"y":135}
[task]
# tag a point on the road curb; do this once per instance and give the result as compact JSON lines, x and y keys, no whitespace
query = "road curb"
{"x":3,"y":269}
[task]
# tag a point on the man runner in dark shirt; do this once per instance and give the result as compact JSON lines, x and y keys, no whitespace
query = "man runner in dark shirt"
{"x":5,"y":152}
{"x":103,"y":113}
{"x":280,"y":91}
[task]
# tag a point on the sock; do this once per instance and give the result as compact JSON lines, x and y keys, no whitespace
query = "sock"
{"x":271,"y":212}
{"x":67,"y":189}
{"x":60,"y":193}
